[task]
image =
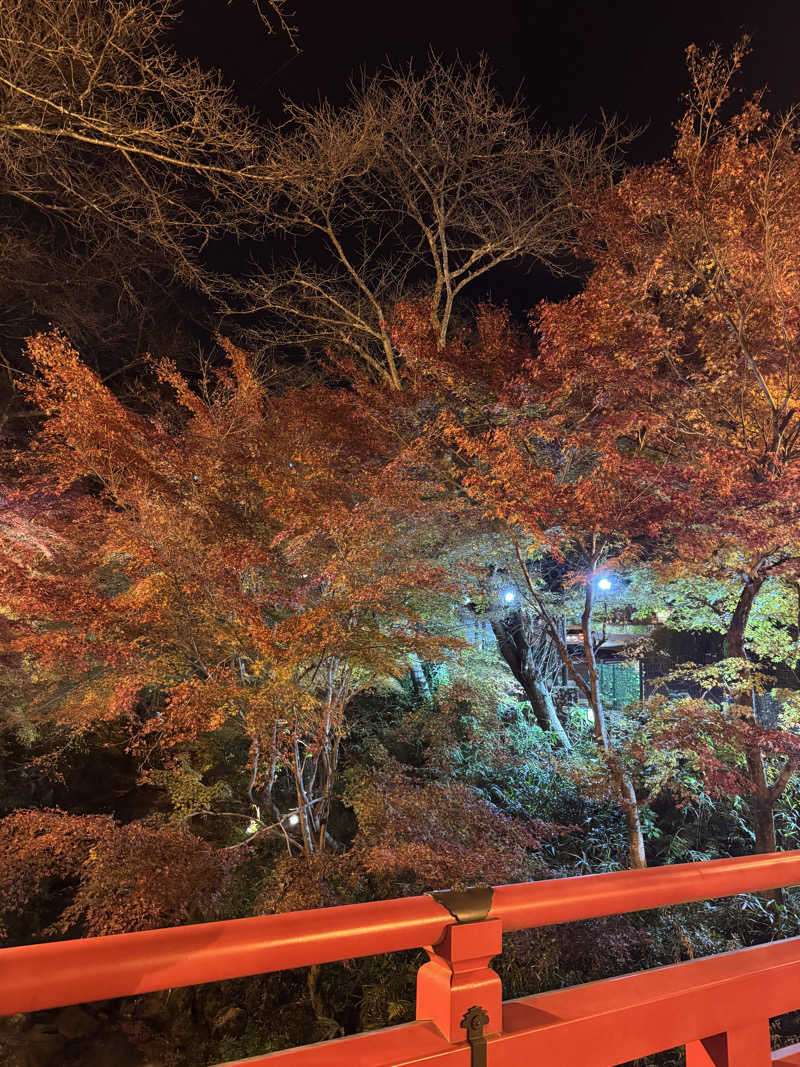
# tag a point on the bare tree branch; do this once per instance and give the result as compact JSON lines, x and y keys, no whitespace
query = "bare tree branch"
{"x":115,"y":152}
{"x":424,"y":181}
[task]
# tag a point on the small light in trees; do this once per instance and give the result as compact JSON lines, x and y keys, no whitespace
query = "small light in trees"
{"x":604,"y":584}
{"x":294,"y":819}
{"x":509,"y":596}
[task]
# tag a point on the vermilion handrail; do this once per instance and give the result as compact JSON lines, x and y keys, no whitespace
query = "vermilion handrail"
{"x":34,"y":977}
{"x":613,"y":1021}
{"x":563,"y":900}
{"x":53,"y":975}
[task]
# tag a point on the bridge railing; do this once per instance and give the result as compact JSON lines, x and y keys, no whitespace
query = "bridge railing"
{"x":718,"y":1007}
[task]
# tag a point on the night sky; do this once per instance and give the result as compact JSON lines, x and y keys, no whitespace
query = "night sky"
{"x":572,"y":59}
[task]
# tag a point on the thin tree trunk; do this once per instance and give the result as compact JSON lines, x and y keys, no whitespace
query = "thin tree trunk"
{"x":514,"y":646}
{"x":762,"y":800}
{"x":418,"y":679}
{"x":734,"y":638}
{"x":625,"y":787}
{"x":764,"y":825}
{"x":318,"y":1001}
{"x":591,"y":690}
{"x":541,"y":700}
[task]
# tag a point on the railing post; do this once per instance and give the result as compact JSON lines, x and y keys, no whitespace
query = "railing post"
{"x":457,"y":976}
{"x":748,"y":1046}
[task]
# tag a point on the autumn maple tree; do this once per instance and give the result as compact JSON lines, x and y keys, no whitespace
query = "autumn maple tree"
{"x":658,"y":415}
{"x":563,"y":491}
{"x":684,"y":345}
{"x":493,"y":423}
{"x":112,"y":878}
{"x":241,"y":558}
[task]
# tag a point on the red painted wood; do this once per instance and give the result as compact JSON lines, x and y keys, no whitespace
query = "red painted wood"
{"x":416,"y":1043}
{"x":98,"y":968}
{"x":458,"y":976}
{"x":565,"y":900}
{"x":747,"y":1046}
{"x":628,"y":1018}
{"x":709,"y":1052}
{"x":618,"y":1019}
{"x":730,"y":996}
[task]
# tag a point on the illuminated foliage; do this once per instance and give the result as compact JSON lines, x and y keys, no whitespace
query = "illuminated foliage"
{"x":681,"y":353}
{"x":438,"y":834}
{"x":250,"y":557}
{"x":490,"y":419}
{"x":92,"y":876}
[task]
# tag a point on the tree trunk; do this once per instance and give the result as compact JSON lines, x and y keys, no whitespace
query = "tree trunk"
{"x":626,"y":792}
{"x":764,"y":825}
{"x":734,"y":638}
{"x":762,"y":803}
{"x":541,"y":701}
{"x":418,"y":679}
{"x":630,"y":806}
{"x":513,"y":642}
{"x":318,"y":1002}
{"x":625,"y":787}
{"x":762,"y":800}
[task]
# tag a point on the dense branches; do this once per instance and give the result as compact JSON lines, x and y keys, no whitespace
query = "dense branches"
{"x":681,"y":354}
{"x":119,"y":161}
{"x":252,"y":559}
{"x":425,"y":181}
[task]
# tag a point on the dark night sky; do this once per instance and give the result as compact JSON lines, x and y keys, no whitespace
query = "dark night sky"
{"x":572,"y":58}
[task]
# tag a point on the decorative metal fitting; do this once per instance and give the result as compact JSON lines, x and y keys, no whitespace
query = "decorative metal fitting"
{"x":467,"y":905}
{"x":473,"y":1022}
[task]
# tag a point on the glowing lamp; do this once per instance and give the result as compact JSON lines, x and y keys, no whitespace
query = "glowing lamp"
{"x":604,"y":584}
{"x":509,"y":596}
{"x":294,"y":820}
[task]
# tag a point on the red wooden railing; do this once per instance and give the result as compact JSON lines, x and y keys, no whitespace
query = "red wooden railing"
{"x":718,"y":1007}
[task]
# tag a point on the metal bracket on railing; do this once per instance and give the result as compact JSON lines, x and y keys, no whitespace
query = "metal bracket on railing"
{"x":458,"y":972}
{"x":473,"y":1022}
{"x":466,"y":905}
